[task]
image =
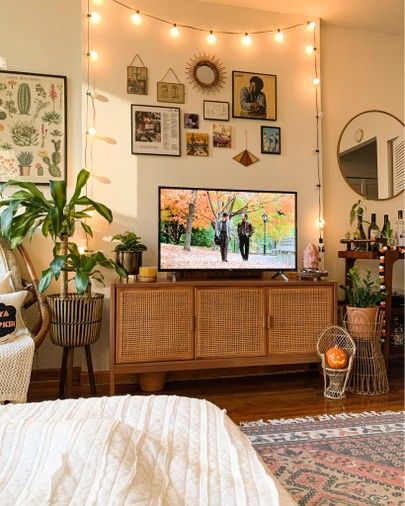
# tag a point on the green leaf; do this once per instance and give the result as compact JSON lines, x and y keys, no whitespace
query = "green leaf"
{"x":58,"y":192}
{"x":81,"y":281}
{"x":6,"y":219}
{"x":103,"y":210}
{"x":87,"y":229}
{"x":81,"y":181}
{"x":57,"y":265}
{"x":45,"y":280}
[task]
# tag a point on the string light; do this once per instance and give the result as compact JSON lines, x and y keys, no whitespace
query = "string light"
{"x":136,"y":18}
{"x":309,"y":49}
{"x":91,"y":131}
{"x":316,"y":81}
{"x":95,"y":17}
{"x":93,"y":54}
{"x":279,"y":36}
{"x":320,"y":223}
{"x":97,"y":2}
{"x":174,"y":31}
{"x":246,"y":40}
{"x":311,"y":25}
{"x":211,"y":39}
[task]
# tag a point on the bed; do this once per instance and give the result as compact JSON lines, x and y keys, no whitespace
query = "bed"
{"x":143,"y":450}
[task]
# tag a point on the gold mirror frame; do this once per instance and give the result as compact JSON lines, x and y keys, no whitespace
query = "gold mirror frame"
{"x":214,"y":64}
{"x":338,"y":151}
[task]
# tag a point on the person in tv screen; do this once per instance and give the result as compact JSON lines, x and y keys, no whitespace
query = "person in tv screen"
{"x":223,"y":233}
{"x":252,"y":99}
{"x":245,"y":232}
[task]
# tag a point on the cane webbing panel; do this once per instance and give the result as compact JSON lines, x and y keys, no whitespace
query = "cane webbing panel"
{"x":230,"y":322}
{"x":298,"y":316}
{"x":154,"y":325}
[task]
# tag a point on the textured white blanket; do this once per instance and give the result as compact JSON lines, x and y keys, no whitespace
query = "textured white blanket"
{"x":152,"y":450}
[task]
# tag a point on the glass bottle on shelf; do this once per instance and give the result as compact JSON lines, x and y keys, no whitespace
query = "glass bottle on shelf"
{"x":385,"y":231}
{"x":360,"y":234}
{"x":397,"y":333}
{"x":373,"y":234}
{"x":399,"y":230}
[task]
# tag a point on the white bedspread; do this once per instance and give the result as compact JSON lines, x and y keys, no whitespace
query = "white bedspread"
{"x":143,"y":450}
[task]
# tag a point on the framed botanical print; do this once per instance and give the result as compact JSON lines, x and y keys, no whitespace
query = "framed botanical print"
{"x":32,"y":127}
{"x":271,"y":140}
{"x":254,"y":95}
{"x":173,"y":93}
{"x":155,"y":130}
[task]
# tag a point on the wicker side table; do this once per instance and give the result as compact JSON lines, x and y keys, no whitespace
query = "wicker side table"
{"x":369,"y":374}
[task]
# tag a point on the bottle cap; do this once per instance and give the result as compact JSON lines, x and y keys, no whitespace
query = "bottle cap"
{"x":400,"y":215}
{"x":373,"y":216}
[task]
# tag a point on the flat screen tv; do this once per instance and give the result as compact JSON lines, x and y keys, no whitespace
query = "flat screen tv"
{"x":218,"y":229}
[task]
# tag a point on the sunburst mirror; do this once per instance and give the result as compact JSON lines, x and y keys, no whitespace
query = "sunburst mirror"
{"x":206,"y":73}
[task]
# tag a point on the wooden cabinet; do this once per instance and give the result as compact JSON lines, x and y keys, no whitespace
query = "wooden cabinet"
{"x":166,"y":326}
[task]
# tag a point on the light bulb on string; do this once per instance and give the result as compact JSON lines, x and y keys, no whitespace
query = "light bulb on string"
{"x":309,"y":49}
{"x":97,"y":2}
{"x":136,"y":18}
{"x":246,"y":40}
{"x":93,"y":55}
{"x":91,"y":131}
{"x":174,"y":31}
{"x":320,"y":223}
{"x":311,"y":25}
{"x":279,"y":36}
{"x":95,"y":18}
{"x":316,"y":81}
{"x":211,"y":39}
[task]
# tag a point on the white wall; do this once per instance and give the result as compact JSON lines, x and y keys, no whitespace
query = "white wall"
{"x":361,"y":70}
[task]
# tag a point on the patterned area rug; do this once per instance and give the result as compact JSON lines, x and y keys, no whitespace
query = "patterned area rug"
{"x":335,"y":460}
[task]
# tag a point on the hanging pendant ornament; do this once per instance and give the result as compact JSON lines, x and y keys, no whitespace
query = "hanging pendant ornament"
{"x":245,"y":157}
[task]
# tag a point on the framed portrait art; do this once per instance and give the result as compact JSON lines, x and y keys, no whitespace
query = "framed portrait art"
{"x":216,"y":110}
{"x":155,"y":130}
{"x":254,"y":95}
{"x":271,"y":140}
{"x":32,"y":127}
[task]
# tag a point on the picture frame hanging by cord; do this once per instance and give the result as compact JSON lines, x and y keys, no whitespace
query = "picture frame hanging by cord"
{"x":137,"y":77}
{"x":171,"y":92}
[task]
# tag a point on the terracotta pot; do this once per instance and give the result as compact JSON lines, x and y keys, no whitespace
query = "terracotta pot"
{"x":361,"y":321}
{"x":25,"y":170}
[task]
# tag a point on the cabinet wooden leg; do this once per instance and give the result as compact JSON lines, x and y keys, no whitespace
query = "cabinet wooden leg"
{"x":90,"y":370}
{"x":69,"y":372}
{"x":152,"y":381}
{"x":62,"y":376}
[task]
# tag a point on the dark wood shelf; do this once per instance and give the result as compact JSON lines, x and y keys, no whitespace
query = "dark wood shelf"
{"x":359,"y":255}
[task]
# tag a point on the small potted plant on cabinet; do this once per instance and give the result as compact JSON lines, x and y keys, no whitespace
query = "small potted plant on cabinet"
{"x":128,"y":253}
{"x":363,"y":297}
{"x":76,"y":317}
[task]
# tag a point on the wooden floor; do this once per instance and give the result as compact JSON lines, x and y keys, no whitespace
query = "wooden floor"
{"x":263,"y":397}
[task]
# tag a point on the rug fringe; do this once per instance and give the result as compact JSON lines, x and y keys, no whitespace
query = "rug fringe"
{"x":318,"y":418}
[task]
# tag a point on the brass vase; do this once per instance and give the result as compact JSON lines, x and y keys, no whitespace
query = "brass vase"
{"x":129,"y":260}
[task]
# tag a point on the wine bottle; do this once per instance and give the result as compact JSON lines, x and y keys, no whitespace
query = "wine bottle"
{"x":373,"y":234}
{"x":400,"y":230}
{"x":360,"y":234}
{"x":385,"y":231}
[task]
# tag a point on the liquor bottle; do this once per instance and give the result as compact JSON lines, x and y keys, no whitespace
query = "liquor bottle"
{"x":385,"y":231}
{"x":360,"y":234}
{"x":399,"y":228}
{"x":397,"y":334}
{"x":373,"y":234}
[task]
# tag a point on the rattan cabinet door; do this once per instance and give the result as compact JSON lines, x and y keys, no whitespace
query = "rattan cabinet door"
{"x":297,"y":317}
{"x":230,"y":322}
{"x":154,"y":325}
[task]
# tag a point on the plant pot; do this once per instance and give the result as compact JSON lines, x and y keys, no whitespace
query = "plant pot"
{"x":25,"y":170}
{"x":75,"y":319}
{"x":129,"y":260}
{"x":361,"y":321}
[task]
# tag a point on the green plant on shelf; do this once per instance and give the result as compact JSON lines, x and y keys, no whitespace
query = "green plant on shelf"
{"x":129,"y":241}
{"x":364,"y":292}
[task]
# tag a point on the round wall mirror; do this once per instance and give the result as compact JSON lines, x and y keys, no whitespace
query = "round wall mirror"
{"x":206,"y":73}
{"x":370,"y":154}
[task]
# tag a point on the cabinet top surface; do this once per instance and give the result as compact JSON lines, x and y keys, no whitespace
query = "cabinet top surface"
{"x":222,"y":283}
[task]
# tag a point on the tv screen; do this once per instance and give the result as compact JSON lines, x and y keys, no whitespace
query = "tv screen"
{"x":227,"y":229}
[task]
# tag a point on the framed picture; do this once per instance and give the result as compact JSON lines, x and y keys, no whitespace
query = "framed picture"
{"x":271,"y":140}
{"x":173,"y":93}
{"x":197,"y":144}
{"x":32,"y":127}
{"x":221,"y":135}
{"x":191,"y":121}
{"x":218,"y":111}
{"x":155,"y":130}
{"x":254,"y":96}
{"x":137,"y":80}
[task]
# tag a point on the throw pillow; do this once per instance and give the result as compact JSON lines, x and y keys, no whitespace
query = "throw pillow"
{"x":10,"y":312}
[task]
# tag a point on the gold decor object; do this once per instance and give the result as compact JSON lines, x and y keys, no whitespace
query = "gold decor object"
{"x":206,"y":73}
{"x":147,"y":274}
{"x":335,"y":380}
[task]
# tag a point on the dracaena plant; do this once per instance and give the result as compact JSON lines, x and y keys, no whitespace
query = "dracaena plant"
{"x":27,"y":210}
{"x":362,"y":292}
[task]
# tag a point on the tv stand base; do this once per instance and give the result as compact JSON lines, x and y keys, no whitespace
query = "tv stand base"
{"x":281,"y":274}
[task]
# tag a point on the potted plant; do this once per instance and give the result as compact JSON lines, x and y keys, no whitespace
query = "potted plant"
{"x":362,"y":297}
{"x":76,"y":317}
{"x":128,"y":253}
{"x":25,"y":159}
